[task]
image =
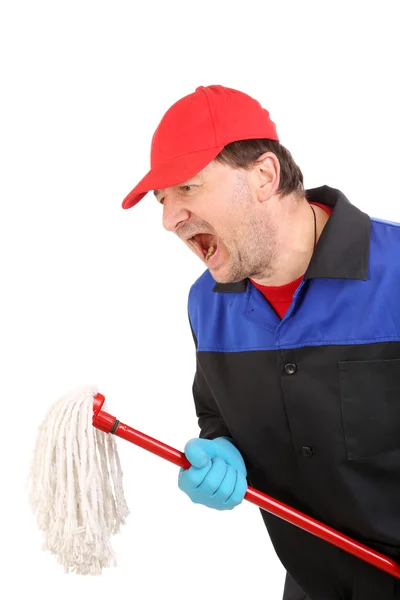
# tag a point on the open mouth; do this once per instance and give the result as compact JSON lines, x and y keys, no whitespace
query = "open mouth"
{"x":205,"y":244}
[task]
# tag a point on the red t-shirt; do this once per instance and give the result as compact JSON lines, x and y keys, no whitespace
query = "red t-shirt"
{"x":280,"y":297}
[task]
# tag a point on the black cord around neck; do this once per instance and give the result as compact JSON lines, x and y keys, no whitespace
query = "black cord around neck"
{"x":315,"y":226}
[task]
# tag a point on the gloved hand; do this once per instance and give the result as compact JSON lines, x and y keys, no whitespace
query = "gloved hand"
{"x":217,"y":477}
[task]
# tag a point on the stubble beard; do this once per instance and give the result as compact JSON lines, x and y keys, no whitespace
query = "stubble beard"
{"x":251,"y":255}
{"x":252,"y":252}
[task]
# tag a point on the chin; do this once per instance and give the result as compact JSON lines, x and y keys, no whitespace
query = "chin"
{"x":227,"y":273}
{"x":221,"y":278}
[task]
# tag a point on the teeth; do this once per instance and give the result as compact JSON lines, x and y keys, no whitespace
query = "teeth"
{"x":210,"y":251}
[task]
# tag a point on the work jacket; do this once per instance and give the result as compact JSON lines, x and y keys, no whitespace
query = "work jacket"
{"x":312,"y":401}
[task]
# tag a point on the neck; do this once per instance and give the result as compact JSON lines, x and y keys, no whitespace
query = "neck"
{"x":295,"y":243}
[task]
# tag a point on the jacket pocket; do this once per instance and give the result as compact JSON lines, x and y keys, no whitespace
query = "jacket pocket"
{"x":370,"y":397}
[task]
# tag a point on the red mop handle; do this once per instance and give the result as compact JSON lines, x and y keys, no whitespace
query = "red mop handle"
{"x":109,"y":424}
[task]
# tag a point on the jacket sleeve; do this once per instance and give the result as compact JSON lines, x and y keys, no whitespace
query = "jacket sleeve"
{"x":210,"y":420}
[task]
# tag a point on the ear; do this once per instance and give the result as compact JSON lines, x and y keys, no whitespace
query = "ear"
{"x":265,"y":175}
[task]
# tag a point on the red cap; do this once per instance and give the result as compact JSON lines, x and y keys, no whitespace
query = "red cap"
{"x":195,"y":130}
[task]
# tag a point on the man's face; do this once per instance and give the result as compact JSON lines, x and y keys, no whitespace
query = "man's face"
{"x":217,"y":215}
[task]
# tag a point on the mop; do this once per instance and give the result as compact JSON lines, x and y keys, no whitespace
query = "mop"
{"x":76,"y":487}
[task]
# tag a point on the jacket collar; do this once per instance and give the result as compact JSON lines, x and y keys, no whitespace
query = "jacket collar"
{"x":342,"y":251}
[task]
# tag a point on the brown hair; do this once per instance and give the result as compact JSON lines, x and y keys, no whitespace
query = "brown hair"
{"x":244,"y":153}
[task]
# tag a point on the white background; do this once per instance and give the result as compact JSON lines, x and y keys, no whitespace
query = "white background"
{"x":93,"y":294}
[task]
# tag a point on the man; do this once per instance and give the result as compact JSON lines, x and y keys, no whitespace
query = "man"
{"x":296,"y":322}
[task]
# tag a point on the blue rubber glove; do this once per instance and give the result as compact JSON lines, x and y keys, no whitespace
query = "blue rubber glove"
{"x":217,"y":477}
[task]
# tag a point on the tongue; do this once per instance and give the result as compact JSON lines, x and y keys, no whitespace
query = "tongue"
{"x":207,"y":242}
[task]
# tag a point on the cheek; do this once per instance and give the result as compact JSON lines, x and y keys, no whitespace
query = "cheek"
{"x":230,"y":240}
{"x":232,"y":229}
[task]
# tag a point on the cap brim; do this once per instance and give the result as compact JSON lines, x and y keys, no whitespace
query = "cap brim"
{"x":171,"y":173}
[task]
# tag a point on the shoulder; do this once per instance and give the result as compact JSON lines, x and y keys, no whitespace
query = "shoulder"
{"x":201,"y":291}
{"x":382,"y":224}
{"x":200,"y":297}
{"x":203,"y":283}
{"x":385,"y":237}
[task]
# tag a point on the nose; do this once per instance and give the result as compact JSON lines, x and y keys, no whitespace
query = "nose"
{"x":173,"y":213}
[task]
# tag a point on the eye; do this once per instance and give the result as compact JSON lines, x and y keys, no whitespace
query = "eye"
{"x":182,"y":189}
{"x":186,"y":188}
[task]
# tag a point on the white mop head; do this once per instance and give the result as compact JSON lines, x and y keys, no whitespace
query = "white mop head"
{"x":76,"y":485}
